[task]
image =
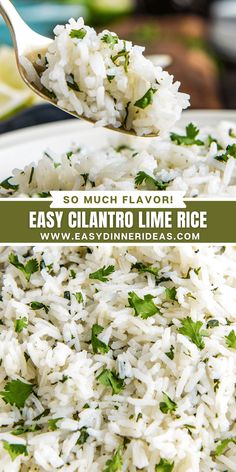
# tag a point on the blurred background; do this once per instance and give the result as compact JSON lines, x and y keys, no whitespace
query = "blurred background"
{"x":198,"y":36}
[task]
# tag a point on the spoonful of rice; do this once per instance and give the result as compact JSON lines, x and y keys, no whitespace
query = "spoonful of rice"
{"x":97,"y":77}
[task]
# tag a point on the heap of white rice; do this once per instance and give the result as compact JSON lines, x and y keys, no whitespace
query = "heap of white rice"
{"x":75,"y":422}
{"x":107,"y":80}
{"x":198,"y":169}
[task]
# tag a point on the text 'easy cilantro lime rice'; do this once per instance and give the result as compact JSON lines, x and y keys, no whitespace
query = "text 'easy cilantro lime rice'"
{"x":118,"y":359}
{"x":107,"y":80}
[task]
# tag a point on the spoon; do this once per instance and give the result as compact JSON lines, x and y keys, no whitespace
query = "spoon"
{"x":28,"y":43}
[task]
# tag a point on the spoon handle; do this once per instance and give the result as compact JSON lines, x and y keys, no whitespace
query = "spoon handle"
{"x":24,"y":38}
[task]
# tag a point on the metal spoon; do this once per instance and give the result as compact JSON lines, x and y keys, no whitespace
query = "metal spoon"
{"x":28,"y":43}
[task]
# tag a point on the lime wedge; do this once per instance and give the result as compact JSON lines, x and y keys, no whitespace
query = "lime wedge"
{"x":12,"y":100}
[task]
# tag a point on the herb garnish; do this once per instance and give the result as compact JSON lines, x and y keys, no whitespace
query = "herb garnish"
{"x":15,"y":450}
{"x":78,"y":34}
{"x":170,"y":354}
{"x":97,"y":345}
{"x":143,"y":177}
{"x":220,"y":449}
{"x":8,"y":186}
{"x":143,"y":307}
{"x":52,"y":424}
{"x":122,"y":54}
{"x":212,"y":324}
{"x":38,"y":306}
{"x":27,"y":269}
{"x":193,"y":331}
{"x":145,"y":268}
{"x":116,"y":463}
{"x":171,"y":294}
{"x":230,"y":152}
{"x":70,"y":80}
{"x":20,"y":324}
{"x":79,"y":297}
{"x":189,"y":139}
{"x":109,"y":378}
{"x":164,"y":466}
{"x":110,"y":39}
{"x":16,"y":393}
{"x":103,"y":273}
{"x":167,"y":405}
{"x":231,"y":340}
{"x":83,"y":436}
{"x":146,"y":100}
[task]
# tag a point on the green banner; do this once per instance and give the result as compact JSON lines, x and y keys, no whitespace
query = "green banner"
{"x":33,"y":221}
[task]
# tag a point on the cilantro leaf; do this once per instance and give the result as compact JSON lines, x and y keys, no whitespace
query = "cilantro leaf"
{"x":167,"y":405}
{"x":110,"y":39}
{"x":109,"y":378}
{"x":20,"y":324}
{"x":145,"y":268}
{"x":171,"y":294}
{"x":212,"y":323}
{"x":78,"y":34}
{"x":231,"y":340}
{"x":146,"y":100}
{"x":164,"y":466}
{"x":8,"y":186}
{"x":79,"y":297}
{"x":39,"y":306}
{"x":110,"y":78}
{"x":170,"y":354}
{"x":98,"y":346}
{"x":192,"y":330}
{"x":27,"y":269}
{"x":52,"y":424}
{"x":143,"y":177}
{"x":222,"y":446}
{"x":70,"y":80}
{"x":214,"y":140}
{"x":230,"y":152}
{"x":16,"y":393}
{"x":116,"y":463}
{"x":143,"y":307}
{"x":83,"y":436}
{"x":26,"y":429}
{"x":15,"y":450}
{"x":189,"y":139}
{"x":122,"y":54}
{"x":102,"y":274}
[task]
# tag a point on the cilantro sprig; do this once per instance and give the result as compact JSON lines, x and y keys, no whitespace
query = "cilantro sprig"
{"x":144,"y":178}
{"x":143,"y":307}
{"x":193,"y":330}
{"x":16,"y":392}
{"x":97,"y":345}
{"x":110,"y":39}
{"x":103,"y":273}
{"x":116,"y":463}
{"x":109,"y":378}
{"x":27,"y":269}
{"x":189,"y":139}
{"x":230,"y":152}
{"x":142,"y":268}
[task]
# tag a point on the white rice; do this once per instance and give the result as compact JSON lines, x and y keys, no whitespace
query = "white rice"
{"x":53,"y":352}
{"x":105,"y":81}
{"x":194,"y":169}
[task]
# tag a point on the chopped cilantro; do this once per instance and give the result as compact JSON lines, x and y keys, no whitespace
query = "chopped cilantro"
{"x":31,"y":175}
{"x":109,"y":378}
{"x":212,"y":324}
{"x":189,"y":139}
{"x":116,"y":463}
{"x":97,"y":345}
{"x":110,"y":78}
{"x":79,"y":297}
{"x":231,"y":340}
{"x":167,"y":405}
{"x":78,"y":34}
{"x":52,"y":424}
{"x":110,"y":39}
{"x":146,"y":100}
{"x":143,"y":307}
{"x":230,"y":152}
{"x":39,"y":306}
{"x":8,"y":186}
{"x":164,"y":466}
{"x":83,"y":436}
{"x":70,"y":80}
{"x":20,"y":324}
{"x":26,"y":429}
{"x":67,"y":295}
{"x":232,"y":133}
{"x":193,"y":331}
{"x":214,"y":140}
{"x":27,"y":269}
{"x":171,"y":293}
{"x":196,"y":271}
{"x":122,"y":54}
{"x":15,"y":450}
{"x":171,"y":352}
{"x":42,"y":415}
{"x":44,"y":194}
{"x":16,"y":393}
{"x":102,"y":274}
{"x":145,"y":268}
{"x":222,"y":446}
{"x":143,"y":177}
{"x":72,"y":274}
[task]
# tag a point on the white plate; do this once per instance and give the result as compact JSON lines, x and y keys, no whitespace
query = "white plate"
{"x":25,"y":146}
